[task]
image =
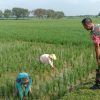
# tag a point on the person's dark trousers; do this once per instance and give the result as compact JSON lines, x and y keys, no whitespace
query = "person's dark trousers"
{"x":97,"y":80}
{"x":98,"y":76}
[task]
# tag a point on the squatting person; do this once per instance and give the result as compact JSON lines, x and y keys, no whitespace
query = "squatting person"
{"x":48,"y":59}
{"x":23,"y":82}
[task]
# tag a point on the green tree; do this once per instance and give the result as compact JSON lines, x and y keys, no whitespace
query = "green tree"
{"x":20,"y":12}
{"x":99,"y":14}
{"x":1,"y":13}
{"x":40,"y":13}
{"x":59,"y":14}
{"x":7,"y":13}
{"x":50,"y":13}
{"x":25,"y":13}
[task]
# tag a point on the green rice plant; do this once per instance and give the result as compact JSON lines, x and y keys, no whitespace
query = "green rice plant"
{"x":23,"y":41}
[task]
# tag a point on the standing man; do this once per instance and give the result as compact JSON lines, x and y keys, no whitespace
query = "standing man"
{"x":95,"y":35}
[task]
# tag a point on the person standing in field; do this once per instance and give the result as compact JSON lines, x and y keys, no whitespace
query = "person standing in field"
{"x":23,"y":85}
{"x":95,"y":35}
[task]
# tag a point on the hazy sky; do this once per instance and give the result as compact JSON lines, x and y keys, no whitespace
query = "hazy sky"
{"x":69,"y":7}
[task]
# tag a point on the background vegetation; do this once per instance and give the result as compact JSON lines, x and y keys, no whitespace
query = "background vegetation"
{"x":23,"y":41}
{"x":17,"y":13}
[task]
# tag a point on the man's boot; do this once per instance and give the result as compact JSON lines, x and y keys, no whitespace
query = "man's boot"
{"x":97,"y":84}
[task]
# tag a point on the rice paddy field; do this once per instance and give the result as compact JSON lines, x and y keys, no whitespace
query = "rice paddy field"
{"x":23,"y":41}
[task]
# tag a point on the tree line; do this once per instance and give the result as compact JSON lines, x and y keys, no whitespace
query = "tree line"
{"x":37,"y":13}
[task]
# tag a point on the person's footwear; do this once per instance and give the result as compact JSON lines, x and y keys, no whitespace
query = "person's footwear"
{"x":95,"y":87}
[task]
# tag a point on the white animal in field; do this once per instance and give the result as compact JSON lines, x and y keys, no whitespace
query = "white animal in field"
{"x":48,"y":59}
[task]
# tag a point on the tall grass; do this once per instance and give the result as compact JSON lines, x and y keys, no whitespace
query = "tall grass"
{"x":23,"y":41}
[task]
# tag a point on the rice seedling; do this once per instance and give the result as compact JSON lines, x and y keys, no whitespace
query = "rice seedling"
{"x":23,"y":41}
